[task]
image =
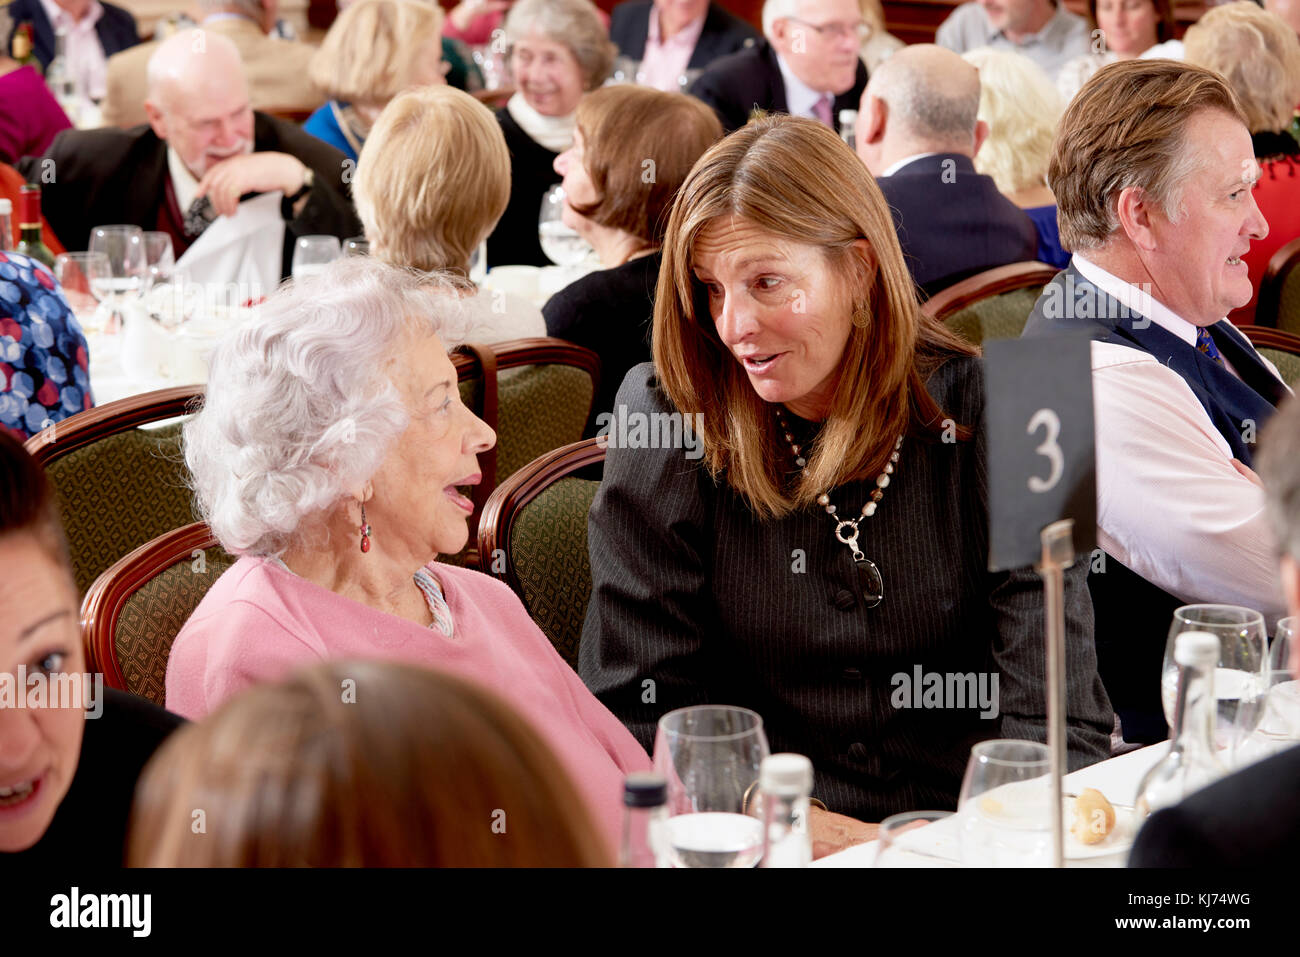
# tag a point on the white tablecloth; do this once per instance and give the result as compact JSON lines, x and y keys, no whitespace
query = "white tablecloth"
{"x":1117,"y":778}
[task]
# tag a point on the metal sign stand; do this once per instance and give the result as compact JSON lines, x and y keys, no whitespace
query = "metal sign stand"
{"x":1058,"y":555}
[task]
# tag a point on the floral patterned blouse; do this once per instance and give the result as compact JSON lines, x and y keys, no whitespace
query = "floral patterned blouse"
{"x":43,"y":358}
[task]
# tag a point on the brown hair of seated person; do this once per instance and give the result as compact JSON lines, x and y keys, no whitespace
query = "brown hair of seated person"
{"x":1166,"y":24}
{"x":361,"y":764}
{"x":639,"y":145}
{"x":796,"y":179}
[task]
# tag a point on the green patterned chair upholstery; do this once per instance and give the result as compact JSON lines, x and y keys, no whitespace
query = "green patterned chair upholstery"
{"x":1278,"y":305}
{"x":1287,"y":364}
{"x":134,"y":611}
{"x":1278,"y":347}
{"x":991,"y":305}
{"x":545,"y":388}
{"x":118,"y":485}
{"x":533,"y":535}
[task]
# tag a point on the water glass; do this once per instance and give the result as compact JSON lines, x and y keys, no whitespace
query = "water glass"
{"x":561,"y":243}
{"x":160,"y":257}
{"x":84,"y":277}
{"x":128,"y":263}
{"x":1240,"y":681}
{"x":1004,"y":811}
{"x":909,"y":840}
{"x":312,"y":254}
{"x":356,"y":246}
{"x":710,"y":756}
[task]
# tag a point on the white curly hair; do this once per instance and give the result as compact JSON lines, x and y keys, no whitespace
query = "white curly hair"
{"x":300,"y":407}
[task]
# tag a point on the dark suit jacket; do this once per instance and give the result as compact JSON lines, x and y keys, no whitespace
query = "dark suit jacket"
{"x":738,"y":84}
{"x":692,"y":592}
{"x":952,"y":222}
{"x":115,"y":29}
{"x":722,"y":34}
{"x":1133,"y":615}
{"x":119,"y":176}
{"x":1249,"y":819}
{"x":514,"y":240}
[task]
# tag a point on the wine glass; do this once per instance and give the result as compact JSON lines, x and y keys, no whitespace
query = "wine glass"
{"x":907,"y":840}
{"x":1004,"y":811}
{"x":160,"y":257}
{"x":356,"y":246}
{"x":561,"y":243}
{"x":1239,"y":680}
{"x":710,"y":757}
{"x":312,"y":254}
{"x":84,"y":277}
{"x":1281,"y":720}
{"x":127,"y":261}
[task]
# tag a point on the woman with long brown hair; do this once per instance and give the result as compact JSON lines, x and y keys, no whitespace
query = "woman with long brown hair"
{"x":816,"y":546}
{"x":362,"y":764}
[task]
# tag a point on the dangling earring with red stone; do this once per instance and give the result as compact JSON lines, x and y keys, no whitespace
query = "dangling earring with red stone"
{"x":365,"y":530}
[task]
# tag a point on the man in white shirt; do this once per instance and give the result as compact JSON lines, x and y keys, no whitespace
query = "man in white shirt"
{"x":1042,"y":30}
{"x":93,"y":31}
{"x":1179,"y":393}
{"x":808,"y":65}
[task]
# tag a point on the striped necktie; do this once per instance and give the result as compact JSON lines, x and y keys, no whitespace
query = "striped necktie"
{"x":1205,"y":344}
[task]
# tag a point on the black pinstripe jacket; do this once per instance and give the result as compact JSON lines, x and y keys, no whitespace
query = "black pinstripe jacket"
{"x":692,"y":592}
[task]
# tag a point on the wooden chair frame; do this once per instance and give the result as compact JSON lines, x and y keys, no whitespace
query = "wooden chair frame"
{"x":86,"y":428}
{"x":103,"y":604}
{"x":516,"y":492}
{"x":1270,"y":286}
{"x":992,"y":282}
{"x":1266,"y":338}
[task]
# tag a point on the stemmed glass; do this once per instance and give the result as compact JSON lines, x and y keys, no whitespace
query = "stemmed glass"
{"x":561,"y":243}
{"x":128,"y":263}
{"x":312,"y":254}
{"x":83,"y":277}
{"x":908,"y":840}
{"x":1239,"y":680}
{"x":1004,"y":811}
{"x":710,"y":757}
{"x":1281,"y":720}
{"x":160,"y":257}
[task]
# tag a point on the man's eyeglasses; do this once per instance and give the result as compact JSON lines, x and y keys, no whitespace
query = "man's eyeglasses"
{"x":837,"y":31}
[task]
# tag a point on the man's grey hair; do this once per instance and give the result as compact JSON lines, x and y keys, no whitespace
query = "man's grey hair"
{"x":299,"y":405}
{"x":1279,"y":470}
{"x":923,"y":109}
{"x":774,"y":10}
{"x":574,"y":23}
{"x":249,"y":8}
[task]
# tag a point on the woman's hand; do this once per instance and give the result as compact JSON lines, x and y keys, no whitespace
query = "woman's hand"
{"x":833,"y":832}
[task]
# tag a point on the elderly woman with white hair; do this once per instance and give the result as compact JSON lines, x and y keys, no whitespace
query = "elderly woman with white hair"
{"x":331,"y":455}
{"x":433,"y":215}
{"x":1021,"y":108}
{"x":559,"y":49}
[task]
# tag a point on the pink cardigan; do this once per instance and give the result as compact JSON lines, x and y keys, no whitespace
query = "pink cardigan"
{"x":260,"y":622}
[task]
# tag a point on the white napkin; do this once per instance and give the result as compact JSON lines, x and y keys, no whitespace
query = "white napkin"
{"x":245,"y":249}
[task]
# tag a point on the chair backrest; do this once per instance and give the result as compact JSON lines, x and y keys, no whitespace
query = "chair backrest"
{"x":533,"y":536}
{"x":1278,"y":305}
{"x":133,"y":612}
{"x":1279,"y":347}
{"x":543,"y":390}
{"x":118,"y":485}
{"x":994,"y":304}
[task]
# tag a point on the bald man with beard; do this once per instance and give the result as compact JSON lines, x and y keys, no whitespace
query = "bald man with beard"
{"x":203,"y":149}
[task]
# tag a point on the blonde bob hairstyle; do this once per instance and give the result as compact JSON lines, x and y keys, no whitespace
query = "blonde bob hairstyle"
{"x":794,"y":178}
{"x":432,"y":179}
{"x":1021,"y":107}
{"x":370,"y":51}
{"x":1257,"y":53}
{"x":410,"y":770}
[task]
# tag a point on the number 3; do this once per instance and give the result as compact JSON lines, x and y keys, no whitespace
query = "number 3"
{"x":1049,"y":449}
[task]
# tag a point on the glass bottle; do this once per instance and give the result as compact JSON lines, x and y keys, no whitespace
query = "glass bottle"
{"x":23,"y":47}
{"x":848,"y":126}
{"x":30,"y":242}
{"x":58,"y":77}
{"x":645,"y":818}
{"x":6,"y":224}
{"x":785,"y":783}
{"x":1193,"y":760}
